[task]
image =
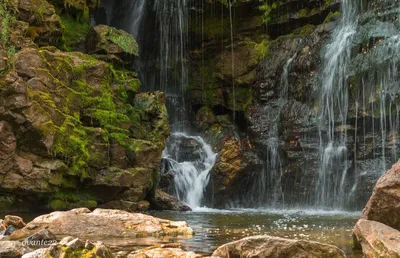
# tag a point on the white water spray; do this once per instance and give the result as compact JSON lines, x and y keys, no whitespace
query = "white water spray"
{"x":191,"y":177}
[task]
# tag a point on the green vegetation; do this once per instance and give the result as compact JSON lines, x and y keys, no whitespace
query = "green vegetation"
{"x":75,"y":31}
{"x":106,"y":106}
{"x":268,"y":9}
{"x":332,"y":16}
{"x":64,"y":200}
{"x":8,"y":19}
{"x":124,"y":40}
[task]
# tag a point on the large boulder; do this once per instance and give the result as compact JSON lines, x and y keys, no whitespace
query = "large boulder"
{"x":70,"y":121}
{"x":102,"y":223}
{"x":276,"y":247}
{"x":377,"y":239}
{"x":111,"y":44}
{"x":384,"y":204}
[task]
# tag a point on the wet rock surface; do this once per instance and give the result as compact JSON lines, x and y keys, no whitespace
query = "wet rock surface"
{"x":164,"y":201}
{"x":275,"y":247}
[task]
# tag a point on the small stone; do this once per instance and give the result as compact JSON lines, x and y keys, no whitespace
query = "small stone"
{"x":89,"y":245}
{"x":15,"y":221}
{"x":66,"y":240}
{"x":76,"y":244}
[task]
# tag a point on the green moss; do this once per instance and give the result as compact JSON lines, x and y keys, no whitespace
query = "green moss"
{"x":263,"y":48}
{"x":58,"y":205}
{"x":332,"y":16}
{"x":8,"y":18}
{"x":124,"y":40}
{"x":64,"y":199}
{"x":268,"y":9}
{"x":303,"y":13}
{"x":71,"y":143}
{"x":75,"y":31}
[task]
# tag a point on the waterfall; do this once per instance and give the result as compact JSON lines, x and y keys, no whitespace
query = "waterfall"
{"x":375,"y":107}
{"x":190,"y":169}
{"x":168,"y":46}
{"x":333,"y":111}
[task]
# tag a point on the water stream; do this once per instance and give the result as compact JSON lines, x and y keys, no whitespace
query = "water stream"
{"x":189,"y":168}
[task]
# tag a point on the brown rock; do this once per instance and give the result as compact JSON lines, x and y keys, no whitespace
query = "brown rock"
{"x":102,"y":223}
{"x":45,"y":24}
{"x":164,"y":201}
{"x":15,"y":221}
{"x":377,"y":239}
{"x":384,"y":204}
{"x":157,"y":252}
{"x":13,"y":249}
{"x":276,"y":247}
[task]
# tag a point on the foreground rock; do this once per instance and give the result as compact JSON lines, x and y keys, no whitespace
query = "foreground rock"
{"x":377,"y":239}
{"x":102,"y":223}
{"x":276,"y":247}
{"x":164,"y":201}
{"x":72,"y":247}
{"x":163,"y":251}
{"x":384,"y":204}
{"x":15,"y":221}
{"x":11,"y":249}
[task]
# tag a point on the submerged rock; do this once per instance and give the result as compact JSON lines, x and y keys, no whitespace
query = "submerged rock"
{"x":377,"y":239}
{"x":103,"y":223}
{"x":164,"y":201}
{"x":384,"y":204}
{"x":163,"y":251}
{"x":276,"y":247}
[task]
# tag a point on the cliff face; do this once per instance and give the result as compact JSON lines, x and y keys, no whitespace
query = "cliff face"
{"x":268,"y":77}
{"x":264,"y":77}
{"x":74,"y":130}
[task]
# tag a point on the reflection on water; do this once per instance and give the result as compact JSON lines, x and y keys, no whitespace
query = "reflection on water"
{"x":216,"y":227}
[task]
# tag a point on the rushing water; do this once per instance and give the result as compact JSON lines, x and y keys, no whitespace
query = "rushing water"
{"x":191,"y":173}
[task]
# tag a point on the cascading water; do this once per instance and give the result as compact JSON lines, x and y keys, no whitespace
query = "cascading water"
{"x":377,"y":94}
{"x":170,"y":75}
{"x":190,"y":170}
{"x":333,"y":111}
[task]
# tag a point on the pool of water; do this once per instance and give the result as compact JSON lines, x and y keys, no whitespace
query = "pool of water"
{"x":216,"y":227}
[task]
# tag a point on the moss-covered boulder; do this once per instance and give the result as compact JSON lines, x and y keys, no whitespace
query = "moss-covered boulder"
{"x":111,"y":44}
{"x":75,"y":129}
{"x":45,"y":27}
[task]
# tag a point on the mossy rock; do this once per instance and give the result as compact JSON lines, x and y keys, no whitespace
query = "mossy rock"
{"x":111,"y":44}
{"x":45,"y":27}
